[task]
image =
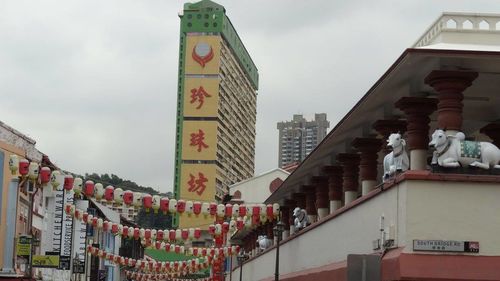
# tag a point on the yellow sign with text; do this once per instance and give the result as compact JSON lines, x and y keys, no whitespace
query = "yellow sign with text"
{"x":45,"y":261}
{"x":199,"y":140}
{"x":201,"y":97}
{"x":202,"y":54}
{"x":197,"y":184}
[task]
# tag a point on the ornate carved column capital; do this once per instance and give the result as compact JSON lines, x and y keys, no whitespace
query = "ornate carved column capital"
{"x":417,"y":111}
{"x":450,"y":86}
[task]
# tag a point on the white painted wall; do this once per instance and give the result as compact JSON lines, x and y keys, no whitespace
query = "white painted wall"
{"x":461,"y":211}
{"x":436,"y":210}
{"x":256,"y":189}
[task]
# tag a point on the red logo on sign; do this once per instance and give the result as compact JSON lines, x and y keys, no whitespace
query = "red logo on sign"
{"x":199,"y":95}
{"x":197,"y":185}
{"x":197,"y":139}
{"x":202,"y":53}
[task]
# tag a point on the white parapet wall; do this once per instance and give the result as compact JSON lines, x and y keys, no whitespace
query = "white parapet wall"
{"x":417,"y":209}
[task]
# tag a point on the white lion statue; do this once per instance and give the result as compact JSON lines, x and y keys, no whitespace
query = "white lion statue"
{"x":264,"y":242}
{"x":398,"y":159}
{"x":301,"y":220}
{"x":455,"y":151}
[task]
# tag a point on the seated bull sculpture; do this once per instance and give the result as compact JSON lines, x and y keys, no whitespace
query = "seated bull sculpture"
{"x":301,"y":220}
{"x":398,"y":159}
{"x":264,"y":242}
{"x":455,"y":151}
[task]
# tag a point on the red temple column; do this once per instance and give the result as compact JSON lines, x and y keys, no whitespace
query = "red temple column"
{"x":368,"y":148}
{"x":492,"y":130}
{"x":310,"y":192}
{"x":417,"y":111}
{"x":350,"y":170}
{"x":334,"y":186}
{"x":450,"y":86}
{"x":322,"y":202}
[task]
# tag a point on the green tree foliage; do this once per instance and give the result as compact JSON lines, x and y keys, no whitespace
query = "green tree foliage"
{"x":151,"y":220}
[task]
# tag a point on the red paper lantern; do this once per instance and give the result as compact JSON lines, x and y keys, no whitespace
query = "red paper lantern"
{"x":137,"y":233}
{"x":105,"y":226}
{"x":197,"y":208}
{"x":171,"y":235}
{"x":24,"y":167}
{"x":197,"y":233}
{"x":185,"y":234}
{"x":109,"y":193}
{"x":147,"y":234}
{"x":229,"y":210}
{"x":256,"y":210}
{"x":128,"y":197}
{"x":243,"y":210}
{"x":239,"y":224}
{"x":159,"y":235}
{"x":269,"y":211}
{"x":181,"y":206}
{"x":89,"y":188}
{"x":213,"y":209}
{"x":125,"y":231}
{"x":94,"y":221}
{"x":167,"y":247}
{"x":114,"y":228}
{"x":204,"y":252}
{"x":147,"y":202}
{"x":44,"y":175}
{"x":85,"y":217}
{"x":225,"y":227}
{"x":211,"y":229}
{"x":164,"y":204}
{"x":157,"y":245}
{"x":177,"y":249}
{"x":68,"y":182}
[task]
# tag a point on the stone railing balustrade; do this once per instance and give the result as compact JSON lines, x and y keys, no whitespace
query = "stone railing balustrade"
{"x":463,"y":22}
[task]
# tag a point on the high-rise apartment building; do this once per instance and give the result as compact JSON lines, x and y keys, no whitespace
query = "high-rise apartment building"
{"x":297,"y":138}
{"x":216,"y":107}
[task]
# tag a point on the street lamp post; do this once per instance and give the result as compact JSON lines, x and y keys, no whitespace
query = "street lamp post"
{"x":241,"y":258}
{"x":278,"y":231}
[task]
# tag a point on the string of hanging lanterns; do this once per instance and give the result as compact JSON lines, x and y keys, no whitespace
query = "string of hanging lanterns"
{"x":31,"y":170}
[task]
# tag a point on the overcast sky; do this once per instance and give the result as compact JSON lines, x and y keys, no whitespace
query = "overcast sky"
{"x":94,"y":82}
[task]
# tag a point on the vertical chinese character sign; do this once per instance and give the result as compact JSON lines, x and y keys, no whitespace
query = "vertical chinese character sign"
{"x":199,"y":127}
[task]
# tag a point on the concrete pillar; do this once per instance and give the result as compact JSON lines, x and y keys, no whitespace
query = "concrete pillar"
{"x":350,"y":171}
{"x":312,"y":212}
{"x":492,"y":130}
{"x":322,"y":202}
{"x":334,"y":186}
{"x":369,"y":148}
{"x":450,"y":86}
{"x":417,"y":111}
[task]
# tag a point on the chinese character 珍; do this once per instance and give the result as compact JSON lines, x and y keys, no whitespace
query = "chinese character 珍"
{"x":199,"y":95}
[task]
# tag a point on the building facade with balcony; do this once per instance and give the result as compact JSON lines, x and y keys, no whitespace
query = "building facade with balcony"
{"x":426,"y":223}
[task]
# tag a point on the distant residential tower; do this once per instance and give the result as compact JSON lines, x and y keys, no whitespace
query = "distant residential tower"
{"x":297,"y":138}
{"x":216,"y":107}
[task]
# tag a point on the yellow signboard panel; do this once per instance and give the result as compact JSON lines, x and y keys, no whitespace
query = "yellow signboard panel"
{"x":45,"y":261}
{"x":199,"y":140}
{"x":197,"y":184}
{"x":201,"y":97}
{"x":202,"y":54}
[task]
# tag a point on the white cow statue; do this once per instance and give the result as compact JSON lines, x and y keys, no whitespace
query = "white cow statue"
{"x":264,"y":242}
{"x":398,"y":159}
{"x":455,"y":151}
{"x":301,"y":220}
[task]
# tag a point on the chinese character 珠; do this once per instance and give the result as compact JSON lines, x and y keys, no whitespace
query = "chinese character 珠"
{"x":197,"y":139}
